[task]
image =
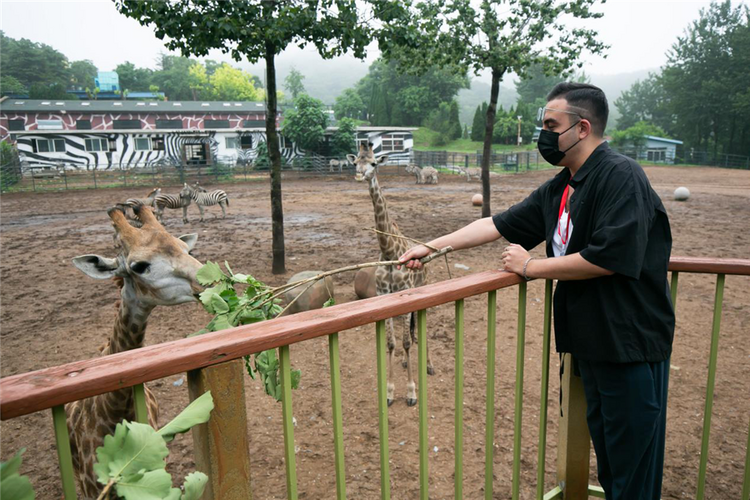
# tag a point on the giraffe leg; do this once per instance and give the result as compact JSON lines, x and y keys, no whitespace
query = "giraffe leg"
{"x":411,"y":387}
{"x":391,"y":347}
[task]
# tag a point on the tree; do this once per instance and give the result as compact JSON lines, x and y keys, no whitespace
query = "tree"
{"x":198,"y":79}
{"x":49,"y":91}
{"x":173,"y":77}
{"x":635,"y":136}
{"x":378,"y":109}
{"x":293,"y":83}
{"x":644,"y":101}
{"x":232,"y":84}
{"x":10,"y":85}
{"x":477,"y":125}
{"x":344,"y":138}
{"x":501,"y":36}
{"x":135,"y":79}
{"x":306,"y":123}
{"x":536,"y":84}
{"x":34,"y":63}
{"x":83,"y":74}
{"x":349,"y":105}
{"x":454,"y":125}
{"x":255,"y":30}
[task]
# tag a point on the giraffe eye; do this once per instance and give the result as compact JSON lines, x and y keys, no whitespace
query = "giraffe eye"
{"x":139,"y":267}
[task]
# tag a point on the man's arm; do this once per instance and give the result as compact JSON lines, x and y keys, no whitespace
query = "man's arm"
{"x":565,"y":268}
{"x":477,"y":233}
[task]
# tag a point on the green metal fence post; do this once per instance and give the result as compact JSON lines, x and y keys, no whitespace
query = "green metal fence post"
{"x":718,"y":300}
{"x":424,"y":445}
{"x":65,"y":459}
{"x":141,"y":410}
{"x":746,"y":480}
{"x":338,"y":432}
{"x":518,"y":417}
{"x":546,"y":330}
{"x":288,"y":421}
{"x":385,"y":474}
{"x":459,"y":404}
{"x":489,"y":438}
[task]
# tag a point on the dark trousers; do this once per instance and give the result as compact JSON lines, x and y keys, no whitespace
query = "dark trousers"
{"x":626,"y":414}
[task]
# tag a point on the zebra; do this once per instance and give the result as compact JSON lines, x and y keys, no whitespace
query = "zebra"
{"x":148,"y":200}
{"x":204,"y":198}
{"x":174,"y":202}
{"x":471,"y":172}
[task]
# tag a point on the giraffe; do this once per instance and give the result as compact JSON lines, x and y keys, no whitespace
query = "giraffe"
{"x":388,"y":279}
{"x":153,"y":268}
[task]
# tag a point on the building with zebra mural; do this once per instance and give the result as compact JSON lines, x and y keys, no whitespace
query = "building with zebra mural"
{"x":115,"y":134}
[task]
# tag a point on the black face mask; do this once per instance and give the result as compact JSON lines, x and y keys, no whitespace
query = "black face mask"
{"x":548,"y":145}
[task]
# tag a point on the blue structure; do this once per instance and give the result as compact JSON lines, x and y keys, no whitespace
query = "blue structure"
{"x":107,"y":81}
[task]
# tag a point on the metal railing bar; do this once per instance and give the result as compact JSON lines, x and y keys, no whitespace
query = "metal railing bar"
{"x":424,"y":444}
{"x":459,"y":403}
{"x":290,"y":460}
{"x":596,"y":492}
{"x":338,"y":431}
{"x":385,"y":474}
{"x":141,"y":410}
{"x":710,"y":385}
{"x":553,"y":494}
{"x":489,"y":439}
{"x":546,"y":331}
{"x":518,"y":412}
{"x":64,"y":457}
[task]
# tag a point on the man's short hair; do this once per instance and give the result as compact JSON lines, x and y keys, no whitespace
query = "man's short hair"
{"x":589,"y":98}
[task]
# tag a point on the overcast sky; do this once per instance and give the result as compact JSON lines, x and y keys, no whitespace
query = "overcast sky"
{"x":639,"y":31}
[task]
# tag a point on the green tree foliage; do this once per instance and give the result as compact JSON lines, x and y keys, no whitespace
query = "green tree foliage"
{"x":454,"y":125}
{"x":502,"y":36}
{"x":198,"y":78}
{"x":82,"y":74}
{"x":536,"y":84}
{"x":132,"y":78}
{"x":13,"y":485}
{"x":644,"y":101}
{"x":255,"y":30}
{"x":293,"y":83}
{"x":306,"y":123}
{"x":35,"y":65}
{"x":55,"y":90}
{"x":344,"y":138}
{"x":173,"y":77}
{"x":635,"y":136}
{"x":407,"y":98}
{"x":349,"y":105}
{"x":10,"y":85}
{"x":477,"y":125}
{"x":232,"y":84}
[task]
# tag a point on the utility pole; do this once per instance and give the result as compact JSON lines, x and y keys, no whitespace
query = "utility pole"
{"x":519,"y":130}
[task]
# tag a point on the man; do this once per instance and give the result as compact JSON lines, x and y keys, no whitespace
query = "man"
{"x":608,"y":244}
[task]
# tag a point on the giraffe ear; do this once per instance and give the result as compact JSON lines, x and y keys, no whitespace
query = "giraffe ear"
{"x":96,"y":267}
{"x":190,"y":239}
{"x":351,"y":158}
{"x":383,"y":159}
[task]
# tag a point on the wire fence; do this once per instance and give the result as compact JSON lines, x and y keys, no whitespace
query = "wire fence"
{"x":687,"y":157}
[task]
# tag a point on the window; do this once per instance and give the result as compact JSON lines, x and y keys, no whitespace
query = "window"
{"x":83,"y":124}
{"x":656,"y":154}
{"x":253,"y":123}
{"x":246,"y":142}
{"x":16,"y":125}
{"x":49,"y":145}
{"x":126,"y":124}
{"x":49,"y":124}
{"x":142,"y":144}
{"x":97,"y":144}
{"x":283,"y":143}
{"x":392,"y":142}
{"x":363,"y":142}
{"x":231,"y":142}
{"x":171,"y":124}
{"x":157,"y":143}
{"x":215,"y":124}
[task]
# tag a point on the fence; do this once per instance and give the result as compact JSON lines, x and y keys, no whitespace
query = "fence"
{"x":53,"y":387}
{"x":688,"y":157}
{"x":501,"y":163}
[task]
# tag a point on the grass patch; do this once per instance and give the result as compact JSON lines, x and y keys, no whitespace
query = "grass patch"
{"x":424,"y":137}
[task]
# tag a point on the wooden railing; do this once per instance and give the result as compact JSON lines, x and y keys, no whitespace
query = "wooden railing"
{"x":51,"y":388}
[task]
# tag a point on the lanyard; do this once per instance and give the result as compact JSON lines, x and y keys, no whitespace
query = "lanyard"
{"x":564,"y":240}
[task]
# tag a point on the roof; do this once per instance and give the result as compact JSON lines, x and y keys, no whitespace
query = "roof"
{"x":663,"y":139}
{"x":29,"y":105}
{"x":384,"y":128}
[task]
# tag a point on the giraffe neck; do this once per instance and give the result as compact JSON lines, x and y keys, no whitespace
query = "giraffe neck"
{"x":130,"y":324}
{"x":390,"y":248}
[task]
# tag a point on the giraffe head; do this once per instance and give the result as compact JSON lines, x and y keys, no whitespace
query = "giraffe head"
{"x":365,"y":162}
{"x":157,"y":265}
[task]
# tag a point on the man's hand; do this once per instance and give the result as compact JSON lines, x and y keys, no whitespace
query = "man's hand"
{"x":514,"y":257}
{"x":412,"y":256}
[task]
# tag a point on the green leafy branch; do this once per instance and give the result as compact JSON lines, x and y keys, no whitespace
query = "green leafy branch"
{"x":14,"y":486}
{"x":132,"y":460}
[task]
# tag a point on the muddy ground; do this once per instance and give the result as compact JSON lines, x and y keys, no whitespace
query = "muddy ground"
{"x":53,"y":314}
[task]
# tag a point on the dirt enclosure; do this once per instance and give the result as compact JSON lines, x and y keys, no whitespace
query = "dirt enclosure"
{"x":53,"y":314}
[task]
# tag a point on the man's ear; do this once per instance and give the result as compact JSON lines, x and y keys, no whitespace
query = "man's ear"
{"x":383,"y":159}
{"x":351,"y":158}
{"x":96,"y":267}
{"x":586,"y":127}
{"x":190,"y":239}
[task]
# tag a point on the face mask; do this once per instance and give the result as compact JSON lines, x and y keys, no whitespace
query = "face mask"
{"x":548,"y":145}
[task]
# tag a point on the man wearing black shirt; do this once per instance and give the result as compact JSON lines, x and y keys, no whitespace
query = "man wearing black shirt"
{"x":608,"y":243}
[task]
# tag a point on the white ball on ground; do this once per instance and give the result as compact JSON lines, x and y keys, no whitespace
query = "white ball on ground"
{"x":476,"y":200}
{"x":681,"y":194}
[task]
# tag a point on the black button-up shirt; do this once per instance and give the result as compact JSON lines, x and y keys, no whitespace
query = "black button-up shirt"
{"x":620,"y":224}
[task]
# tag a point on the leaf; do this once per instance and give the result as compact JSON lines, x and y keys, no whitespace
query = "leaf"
{"x":13,"y":486}
{"x":196,"y":413}
{"x":133,"y":448}
{"x":296,"y":376}
{"x":218,"y":304}
{"x":221,"y":322}
{"x":209,"y":274}
{"x":194,"y":485}
{"x":330,"y":302}
{"x":151,"y":485}
{"x":240,"y":278}
{"x":231,"y":273}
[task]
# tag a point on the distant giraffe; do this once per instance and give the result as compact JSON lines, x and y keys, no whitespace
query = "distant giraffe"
{"x":153,"y":268}
{"x":388,"y":279}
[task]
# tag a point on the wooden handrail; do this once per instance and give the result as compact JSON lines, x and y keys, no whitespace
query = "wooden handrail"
{"x":42,"y":389}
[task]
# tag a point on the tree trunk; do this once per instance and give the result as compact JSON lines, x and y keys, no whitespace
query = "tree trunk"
{"x":489,"y":126}
{"x":272,"y":141}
